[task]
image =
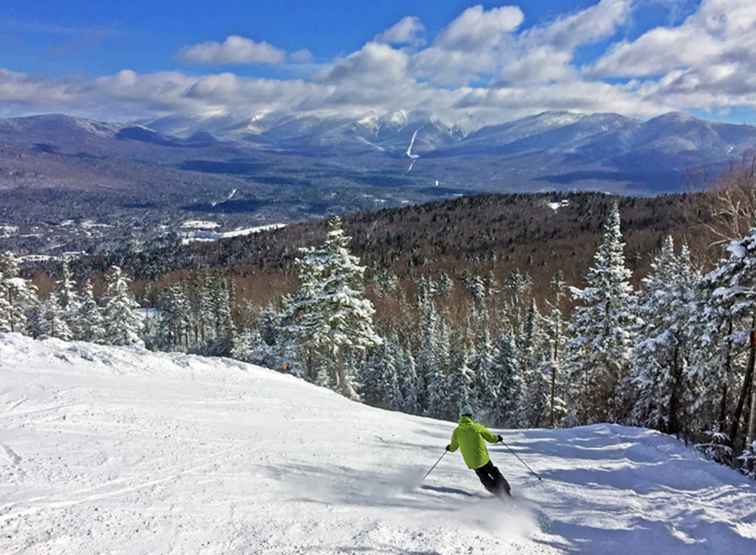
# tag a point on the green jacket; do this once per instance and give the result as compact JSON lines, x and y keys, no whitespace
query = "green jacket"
{"x":469,"y":436}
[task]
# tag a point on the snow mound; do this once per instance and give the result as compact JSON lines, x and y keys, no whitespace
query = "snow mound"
{"x":122,"y":450}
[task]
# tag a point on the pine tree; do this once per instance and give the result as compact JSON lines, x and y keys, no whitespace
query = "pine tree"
{"x":662,"y":351}
{"x":18,"y":297}
{"x":481,"y":362}
{"x":506,"y":376}
{"x":122,"y":321}
{"x":535,"y":355}
{"x":555,"y":333}
{"x":408,"y":382}
{"x":732,"y":292}
{"x":90,"y":321}
{"x":459,"y":385}
{"x":330,"y":314}
{"x":51,"y":322}
{"x":249,"y":346}
{"x":68,"y":300}
{"x":380,"y":377}
{"x":434,"y":362}
{"x":602,"y":330}
{"x":175,"y":319}
{"x":223,"y":329}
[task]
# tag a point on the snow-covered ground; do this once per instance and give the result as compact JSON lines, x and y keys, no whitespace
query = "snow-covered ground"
{"x":106,"y":450}
{"x":206,"y":234}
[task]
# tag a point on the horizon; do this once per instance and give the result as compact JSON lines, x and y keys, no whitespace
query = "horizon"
{"x":469,"y":64}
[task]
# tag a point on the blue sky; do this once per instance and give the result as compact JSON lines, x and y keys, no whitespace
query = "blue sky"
{"x":468,"y":62}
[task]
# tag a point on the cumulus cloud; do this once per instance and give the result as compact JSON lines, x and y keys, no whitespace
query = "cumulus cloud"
{"x":471,"y":45}
{"x":545,"y":52}
{"x":477,"y":28}
{"x":375,"y":64}
{"x":408,"y":30}
{"x":233,"y":50}
{"x":706,"y":62}
{"x":484,"y":67}
{"x":720,"y":30}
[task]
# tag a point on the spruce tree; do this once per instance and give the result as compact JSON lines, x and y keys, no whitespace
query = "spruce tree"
{"x":602,"y":330}
{"x":122,"y":321}
{"x":506,"y":376}
{"x":330,"y":314}
{"x":18,"y":297}
{"x":68,"y":299}
{"x":90,"y":321}
{"x":51,"y":322}
{"x":663,"y":347}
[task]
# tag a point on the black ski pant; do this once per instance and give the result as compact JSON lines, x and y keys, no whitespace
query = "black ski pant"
{"x":492,"y":479}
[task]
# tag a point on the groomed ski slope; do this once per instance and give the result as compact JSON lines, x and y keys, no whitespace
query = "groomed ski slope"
{"x":106,"y":450}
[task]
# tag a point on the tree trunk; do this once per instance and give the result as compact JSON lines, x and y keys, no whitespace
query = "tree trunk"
{"x":751,"y":435}
{"x":672,"y":421}
{"x":744,"y":391}
{"x":553,"y":392}
{"x":726,"y":380}
{"x":342,"y":381}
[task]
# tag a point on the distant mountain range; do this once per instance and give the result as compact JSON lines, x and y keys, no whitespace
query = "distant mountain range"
{"x":547,"y":151}
{"x":674,"y":140}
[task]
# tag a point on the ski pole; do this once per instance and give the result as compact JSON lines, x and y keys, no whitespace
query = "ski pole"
{"x":522,"y":461}
{"x":435,"y":465}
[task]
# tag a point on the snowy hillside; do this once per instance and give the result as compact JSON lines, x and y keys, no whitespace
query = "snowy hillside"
{"x":116,"y":450}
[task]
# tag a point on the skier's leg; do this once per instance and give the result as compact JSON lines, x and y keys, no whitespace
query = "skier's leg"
{"x":484,"y":475}
{"x":502,"y":486}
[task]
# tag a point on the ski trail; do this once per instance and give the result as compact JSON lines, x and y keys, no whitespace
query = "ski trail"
{"x":413,"y":157}
{"x":46,"y":505}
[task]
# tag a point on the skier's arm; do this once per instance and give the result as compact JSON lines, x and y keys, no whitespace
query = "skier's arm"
{"x":454,"y":445}
{"x":487,"y":435}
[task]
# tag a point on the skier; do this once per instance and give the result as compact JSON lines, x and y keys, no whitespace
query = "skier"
{"x":469,"y":436}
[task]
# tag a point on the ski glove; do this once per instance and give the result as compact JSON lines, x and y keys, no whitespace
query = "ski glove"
{"x":499,"y":438}
{"x":448,"y":448}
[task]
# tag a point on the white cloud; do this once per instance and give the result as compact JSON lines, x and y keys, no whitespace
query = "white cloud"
{"x":482,"y":68}
{"x":477,"y":28}
{"x":303,"y":56}
{"x":234,"y":50}
{"x":584,"y":27}
{"x":375,"y":64}
{"x":720,"y":30}
{"x":408,"y":30}
{"x":471,"y":46}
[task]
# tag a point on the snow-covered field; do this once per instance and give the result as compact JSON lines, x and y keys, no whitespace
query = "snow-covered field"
{"x":106,"y":450}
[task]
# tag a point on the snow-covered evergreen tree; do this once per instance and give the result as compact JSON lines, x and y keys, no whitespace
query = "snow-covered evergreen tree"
{"x":90,"y":323}
{"x":602,"y":330}
{"x":330,"y":314}
{"x":506,"y":376}
{"x":459,"y":383}
{"x":732,"y":297}
{"x":122,"y":321}
{"x":663,"y":347}
{"x":408,"y":382}
{"x":434,"y":361}
{"x":175,"y":316}
{"x":554,"y":324}
{"x":223,"y":328}
{"x":249,"y":346}
{"x":485,"y":393}
{"x":380,"y":377}
{"x":18,"y":297}
{"x":68,"y":300}
{"x":50,"y":321}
